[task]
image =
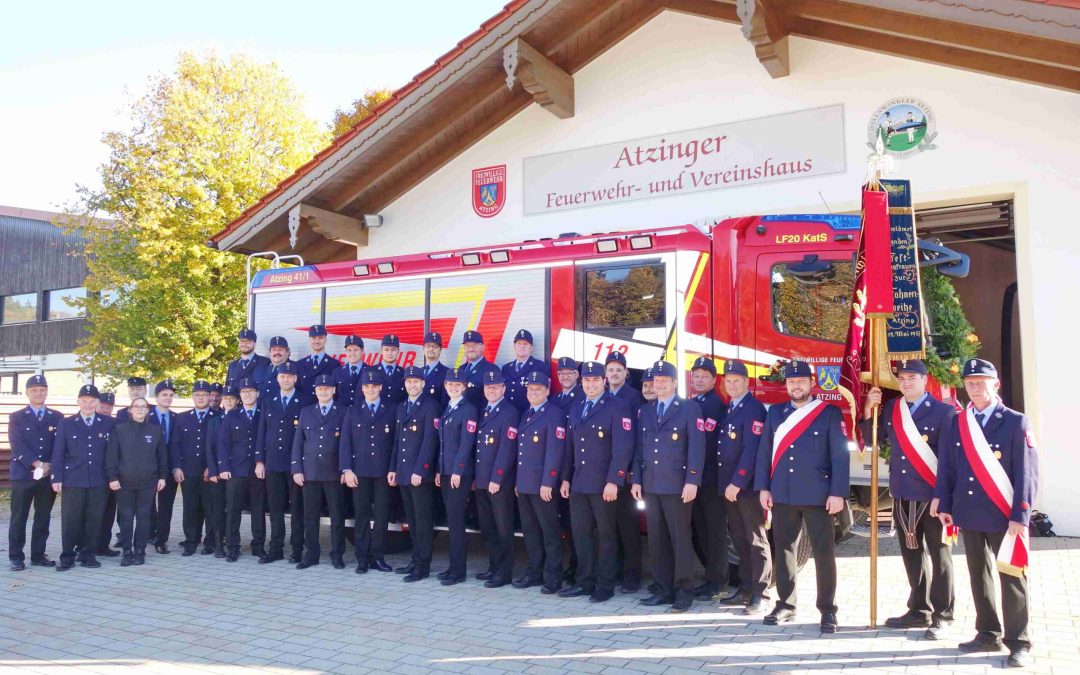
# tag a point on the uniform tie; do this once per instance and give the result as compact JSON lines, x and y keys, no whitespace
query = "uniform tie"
{"x":588,"y":407}
{"x":41,"y":415}
{"x":519,"y":364}
{"x":490,"y":409}
{"x":409,"y":407}
{"x":389,"y":370}
{"x":659,"y":409}
{"x":324,"y":409}
{"x":165,"y":426}
{"x":427,"y":371}
{"x":355,"y":371}
{"x":284,"y":402}
{"x":200,"y":414}
{"x":979,"y":417}
{"x":372,"y":407}
{"x":89,"y":421}
{"x":251,"y":414}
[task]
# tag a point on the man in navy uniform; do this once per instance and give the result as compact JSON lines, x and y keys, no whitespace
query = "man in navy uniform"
{"x":229,"y":400}
{"x":802,"y":473}
{"x":457,"y":445}
{"x":278,"y":420}
{"x":106,"y":403}
{"x":161,"y":507}
{"x":517,"y":371}
{"x":365,"y":458}
{"x":597,"y":461}
{"x":236,"y":454}
{"x":668,"y":462}
{"x":472,"y":344}
{"x":315,"y":459}
{"x":496,"y":463}
{"x":187,"y":460}
{"x":987,"y":479}
{"x":268,"y":381}
{"x":913,"y":425}
{"x":566,"y":370}
{"x":250,"y":365}
{"x":78,"y":471}
{"x":416,"y":441}
{"x":105,"y":407}
{"x":616,"y":373}
{"x":136,"y":387}
{"x":393,"y":391}
{"x":647,"y":392}
{"x":32,"y":433}
{"x":434,"y":370}
{"x":710,"y":513}
{"x":216,"y":391}
{"x":347,"y":377}
{"x":541,"y":449}
{"x":740,"y":435}
{"x":317,"y":363}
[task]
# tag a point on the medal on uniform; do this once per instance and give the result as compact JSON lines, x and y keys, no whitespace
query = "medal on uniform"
{"x":926,"y":438}
{"x":997,"y":454}
{"x":731,"y":435}
{"x":413,"y":428}
{"x":675,"y":436}
{"x":536,"y":438}
{"x":601,"y":433}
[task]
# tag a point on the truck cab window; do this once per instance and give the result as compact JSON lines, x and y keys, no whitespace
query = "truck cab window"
{"x":811,"y":298}
{"x":625,"y":296}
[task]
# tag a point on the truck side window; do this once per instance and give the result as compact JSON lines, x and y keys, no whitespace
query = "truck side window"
{"x":625,"y":296}
{"x":812,"y":298}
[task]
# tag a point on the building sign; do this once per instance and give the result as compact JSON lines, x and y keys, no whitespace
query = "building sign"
{"x":904,"y":126}
{"x":738,"y":154}
{"x":488,"y":190}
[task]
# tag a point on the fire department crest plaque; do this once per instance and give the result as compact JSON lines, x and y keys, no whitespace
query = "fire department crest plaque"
{"x":905,"y":126}
{"x":489,"y":190}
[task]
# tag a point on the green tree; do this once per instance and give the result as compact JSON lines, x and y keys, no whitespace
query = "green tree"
{"x":361,"y":108}
{"x":205,"y":142}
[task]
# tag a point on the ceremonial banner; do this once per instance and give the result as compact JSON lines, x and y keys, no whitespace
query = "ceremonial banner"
{"x":905,"y":330}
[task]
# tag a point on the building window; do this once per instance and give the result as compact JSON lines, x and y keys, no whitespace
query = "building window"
{"x":62,"y":303}
{"x":625,"y":296}
{"x":812,"y":298}
{"x":20,"y":309}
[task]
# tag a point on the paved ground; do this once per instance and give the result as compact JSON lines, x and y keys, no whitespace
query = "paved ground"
{"x":201,"y":614}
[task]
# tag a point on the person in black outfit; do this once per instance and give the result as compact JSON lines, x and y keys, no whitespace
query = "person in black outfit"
{"x":136,"y":464}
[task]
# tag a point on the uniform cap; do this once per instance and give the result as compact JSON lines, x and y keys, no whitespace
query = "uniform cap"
{"x":456,"y":375}
{"x":246,"y":334}
{"x":200,"y":385}
{"x":647,"y":375}
{"x":371,"y":376}
{"x":216,"y":387}
{"x":567,"y":363}
{"x":494,"y":376}
{"x":536,"y":377}
{"x":433,"y":338}
{"x":279,"y":341}
{"x":247,"y":383}
{"x":797,"y":369}
{"x":414,"y":373}
{"x":524,"y":335}
{"x":136,"y":382}
{"x":88,"y":390}
{"x":663,"y":369}
{"x":912,"y":366}
{"x":163,"y":385}
{"x":317,"y":330}
{"x":616,"y":357}
{"x":391,"y":341}
{"x":592,"y":369}
{"x":733,"y":367}
{"x":473,"y":336}
{"x":354,"y":340}
{"x":37,"y":381}
{"x":231,"y":391}
{"x":288,"y":368}
{"x":107,"y":397}
{"x":704,"y":363}
{"x":325,"y":380}
{"x":979,"y":368}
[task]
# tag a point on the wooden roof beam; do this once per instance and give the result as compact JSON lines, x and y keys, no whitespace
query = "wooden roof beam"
{"x":329,"y":225}
{"x":763,"y":27}
{"x":549,"y":85}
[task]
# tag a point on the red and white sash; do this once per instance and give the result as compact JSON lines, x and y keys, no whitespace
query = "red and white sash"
{"x":793,"y":427}
{"x":917,"y":451}
{"x":1012,"y":557}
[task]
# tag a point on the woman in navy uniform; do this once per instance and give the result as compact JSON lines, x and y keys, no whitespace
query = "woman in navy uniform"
{"x":416,"y":440}
{"x":596,"y":463}
{"x":805,"y":481}
{"x":278,"y":419}
{"x":187,"y":459}
{"x":235,"y":455}
{"x":434,"y":370}
{"x":32,"y":433}
{"x":457,"y":445}
{"x":365,"y":457}
{"x":393,"y":375}
{"x":669,"y":461}
{"x":962,"y":499}
{"x":78,"y":471}
{"x":347,"y":377}
{"x":736,"y":452}
{"x":136,"y":464}
{"x":516,"y":372}
{"x":710,"y":512}
{"x":541,"y":443}
{"x":315,"y":460}
{"x":496,"y":464}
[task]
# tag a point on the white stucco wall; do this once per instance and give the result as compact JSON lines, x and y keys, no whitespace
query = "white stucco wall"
{"x":996,"y":138}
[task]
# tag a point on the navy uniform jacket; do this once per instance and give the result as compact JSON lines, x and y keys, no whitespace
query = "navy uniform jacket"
{"x":737,"y":444}
{"x":234,"y":449}
{"x":348,"y":385}
{"x":316,"y":443}
{"x":307,"y":371}
{"x":515,"y":378}
{"x":1007,"y":432}
{"x":474,"y":381}
{"x":78,"y":456}
{"x":457,"y":439}
{"x":815,"y":469}
{"x":931,"y":418}
{"x":713,"y":410}
{"x":600,"y":446}
{"x":367,"y":441}
{"x":269,"y":387}
{"x":632,"y":398}
{"x":393,"y":389}
{"x":257,"y":368}
{"x":277,"y":426}
{"x":415,"y":439}
{"x":671,"y":451}
{"x":188,"y":444}
{"x":152,"y":418}
{"x":32,"y":440}
{"x":541,"y":448}
{"x":496,"y":445}
{"x":568,"y":398}
{"x":433,"y":385}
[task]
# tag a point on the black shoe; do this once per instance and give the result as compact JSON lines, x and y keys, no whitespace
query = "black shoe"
{"x":631,"y":585}
{"x":754,"y":605}
{"x":127,"y":561}
{"x":296,"y":557}
{"x":443,"y":575}
{"x":574,"y":591}
{"x":416,"y":575}
{"x":683,"y":601}
{"x":161,"y":548}
{"x":452,"y":580}
{"x":657,"y":599}
{"x":570,"y":575}
{"x":207,"y":550}
{"x":271,"y":557}
{"x":936,"y":629}
{"x":525,"y":581}
{"x":705,"y":591}
{"x":981,"y":643}
{"x":188,"y":551}
{"x":551,"y":589}
{"x":42,"y":561}
{"x":1018,"y":658}
{"x":304,"y":564}
{"x":361,"y":566}
{"x":496,"y":582}
{"x":739,"y":597}
{"x":258,"y":551}
{"x":908,"y":620}
{"x":828,"y":623}
{"x":484,"y":576}
{"x":379,"y":565}
{"x":108,"y":552}
{"x":90,"y":561}
{"x":601,"y":595}
{"x":779,"y":615}
{"x":337,"y":562}
{"x":65,"y":564}
{"x":407,"y":569}
{"x":219,"y":552}
{"x":17,"y":566}
{"x":232,"y":556}
{"x":152,"y":541}
{"x":140,"y":559}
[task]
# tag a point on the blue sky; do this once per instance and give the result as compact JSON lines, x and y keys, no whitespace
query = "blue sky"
{"x":68,"y":69}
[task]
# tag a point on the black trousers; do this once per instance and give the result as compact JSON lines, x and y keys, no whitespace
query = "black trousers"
{"x":456,"y":500}
{"x":929,"y":567}
{"x":216,"y":519}
{"x":787,"y":523}
{"x":981,"y":549}
{"x":671,"y":550}
{"x":283,"y":494}
{"x":163,"y":515}
{"x":40,"y":494}
{"x":371,"y":500}
{"x":133,"y":515}
{"x":107,"y":522}
{"x":235,"y":490}
{"x":197,"y":506}
{"x":419,"y":510}
{"x":596,"y":539}
{"x":710,"y":522}
{"x":81,"y":510}
{"x":543,"y":538}
{"x":496,"y":514}
{"x":315,"y":491}
{"x":629,"y":525}
{"x":747,"y":522}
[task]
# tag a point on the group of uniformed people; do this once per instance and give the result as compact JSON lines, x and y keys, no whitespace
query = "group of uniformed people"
{"x":293,"y":437}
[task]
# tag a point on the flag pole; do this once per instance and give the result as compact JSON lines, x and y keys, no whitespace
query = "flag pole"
{"x":875,"y":378}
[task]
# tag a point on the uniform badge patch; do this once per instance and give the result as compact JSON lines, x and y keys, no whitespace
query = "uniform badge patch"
{"x":1029,"y":438}
{"x":471,"y":426}
{"x":710,"y":424}
{"x":437,"y":422}
{"x":700,"y":424}
{"x":626,"y":423}
{"x":511,"y":433}
{"x":758,"y":428}
{"x":554,"y":472}
{"x":560,"y":433}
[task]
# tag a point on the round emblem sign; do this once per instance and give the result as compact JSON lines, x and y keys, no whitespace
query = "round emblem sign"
{"x":905,"y":126}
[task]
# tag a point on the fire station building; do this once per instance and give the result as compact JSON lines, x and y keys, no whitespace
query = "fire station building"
{"x":594,"y":116}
